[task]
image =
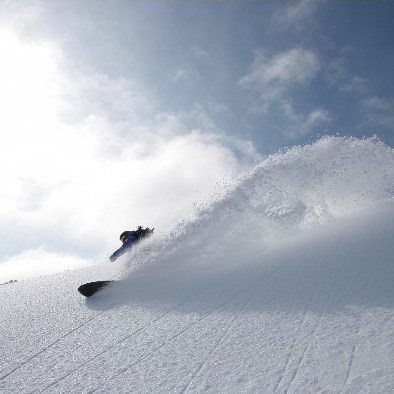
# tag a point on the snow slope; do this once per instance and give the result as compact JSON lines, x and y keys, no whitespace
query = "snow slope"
{"x":282,"y":281}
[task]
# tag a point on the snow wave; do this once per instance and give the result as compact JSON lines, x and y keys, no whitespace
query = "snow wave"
{"x":314,"y":183}
{"x":284,"y":194}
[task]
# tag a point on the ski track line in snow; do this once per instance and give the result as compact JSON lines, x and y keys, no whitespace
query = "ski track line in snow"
{"x":353,"y":352}
{"x":292,"y":347}
{"x":305,"y":349}
{"x":315,"y":327}
{"x":220,"y":306}
{"x":182,"y":331}
{"x":350,"y":364}
{"x":157,"y":348}
{"x":97,"y":355}
{"x":48,"y":347}
{"x":60,"y":338}
{"x":224,"y":336}
{"x":217,"y":344}
{"x":360,"y":329}
{"x":104,"y":351}
{"x":97,"y":316}
{"x":361,"y":321}
{"x":133,"y":334}
{"x":304,"y":352}
{"x":83,"y":324}
{"x":290,"y":351}
{"x":296,"y":339}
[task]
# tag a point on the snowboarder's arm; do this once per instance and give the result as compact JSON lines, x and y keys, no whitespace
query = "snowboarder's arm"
{"x":122,"y":250}
{"x":127,"y":244}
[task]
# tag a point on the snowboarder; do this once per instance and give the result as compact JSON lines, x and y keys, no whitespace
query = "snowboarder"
{"x":129,"y":238}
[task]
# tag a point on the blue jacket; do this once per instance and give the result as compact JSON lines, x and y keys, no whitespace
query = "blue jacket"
{"x":130,"y":239}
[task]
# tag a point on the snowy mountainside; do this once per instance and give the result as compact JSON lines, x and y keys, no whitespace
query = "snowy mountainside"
{"x":280,"y":282}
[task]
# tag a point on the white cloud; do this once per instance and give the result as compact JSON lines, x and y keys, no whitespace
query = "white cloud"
{"x":337,"y":74}
{"x":190,"y":73}
{"x":302,"y":124}
{"x":356,"y":84}
{"x":85,"y":157}
{"x":378,"y":111}
{"x":22,"y":13}
{"x":199,"y":53}
{"x":294,"y":15}
{"x":38,"y":262}
{"x":336,"y":71}
{"x":295,"y":66}
{"x":274,"y":78}
{"x":119,"y":98}
{"x":183,"y":74}
{"x":379,"y":104}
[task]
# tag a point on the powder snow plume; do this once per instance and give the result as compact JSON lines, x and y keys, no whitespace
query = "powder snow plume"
{"x":288,"y":192}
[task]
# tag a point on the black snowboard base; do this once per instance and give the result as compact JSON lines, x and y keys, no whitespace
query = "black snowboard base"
{"x":88,"y":289}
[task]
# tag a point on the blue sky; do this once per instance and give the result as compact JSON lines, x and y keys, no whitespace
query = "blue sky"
{"x":198,"y":53}
{"x":120,"y":113}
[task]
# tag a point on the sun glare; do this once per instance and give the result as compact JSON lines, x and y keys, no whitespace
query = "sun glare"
{"x":30,"y":92}
{"x":28,"y":73}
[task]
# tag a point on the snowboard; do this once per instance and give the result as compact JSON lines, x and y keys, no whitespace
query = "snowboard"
{"x":88,"y":289}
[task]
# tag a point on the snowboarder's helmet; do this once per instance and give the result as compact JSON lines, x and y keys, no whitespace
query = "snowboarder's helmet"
{"x":123,"y":235}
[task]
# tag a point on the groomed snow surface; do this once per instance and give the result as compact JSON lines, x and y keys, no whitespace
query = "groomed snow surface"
{"x":280,"y":282}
